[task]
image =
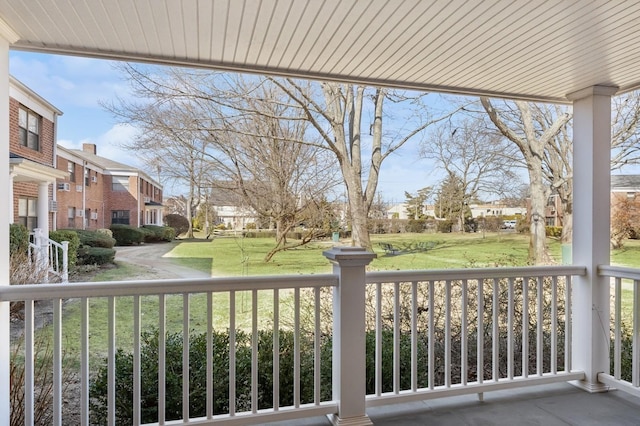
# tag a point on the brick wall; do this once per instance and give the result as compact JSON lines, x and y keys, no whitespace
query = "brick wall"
{"x":121,"y":200}
{"x":45,"y":154}
{"x":95,"y":215}
{"x":27,"y":190}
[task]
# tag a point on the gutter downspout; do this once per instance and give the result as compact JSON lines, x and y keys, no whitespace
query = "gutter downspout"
{"x":84,"y":193}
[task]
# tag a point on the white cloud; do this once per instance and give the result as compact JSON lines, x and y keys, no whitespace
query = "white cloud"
{"x":110,"y":144}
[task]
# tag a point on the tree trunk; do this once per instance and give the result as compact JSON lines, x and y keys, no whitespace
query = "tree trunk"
{"x":190,"y":215}
{"x":567,"y":227}
{"x":359,"y":231}
{"x":538,"y":253}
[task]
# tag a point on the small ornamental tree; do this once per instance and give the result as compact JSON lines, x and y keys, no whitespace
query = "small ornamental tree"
{"x":625,"y":217}
{"x":177,"y":222}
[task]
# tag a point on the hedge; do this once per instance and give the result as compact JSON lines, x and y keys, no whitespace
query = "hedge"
{"x":553,"y":231}
{"x":154,"y":233}
{"x":18,"y":238}
{"x":95,"y":239}
{"x":88,"y":255}
{"x":197,"y":378}
{"x":126,"y":235}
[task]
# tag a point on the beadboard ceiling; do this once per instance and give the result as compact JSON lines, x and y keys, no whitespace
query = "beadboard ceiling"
{"x":526,"y":49}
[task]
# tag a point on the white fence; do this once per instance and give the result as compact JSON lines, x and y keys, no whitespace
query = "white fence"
{"x":392,"y":336}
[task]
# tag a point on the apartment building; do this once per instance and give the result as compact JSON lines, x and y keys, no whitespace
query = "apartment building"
{"x":32,"y":158}
{"x":99,"y":192}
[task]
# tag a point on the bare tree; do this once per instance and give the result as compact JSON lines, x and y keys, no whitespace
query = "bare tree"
{"x":558,"y":156}
{"x":338,"y":119}
{"x":235,"y":134}
{"x":167,"y":140}
{"x":277,"y":177}
{"x":481,"y":160}
{"x":520,"y":122}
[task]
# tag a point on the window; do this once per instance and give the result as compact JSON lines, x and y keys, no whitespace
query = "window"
{"x":71,"y":215}
{"x":119,"y":183}
{"x":120,"y":217}
{"x":29,"y":128}
{"x":27,"y":212}
{"x":71,"y":168}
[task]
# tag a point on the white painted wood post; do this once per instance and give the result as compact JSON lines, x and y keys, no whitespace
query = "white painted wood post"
{"x":349,"y":366}
{"x":7,"y":36}
{"x":65,"y":261}
{"x":591,"y":232}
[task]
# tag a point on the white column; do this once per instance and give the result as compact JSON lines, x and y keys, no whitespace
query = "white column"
{"x":349,"y":343}
{"x":43,"y":208}
{"x":11,"y":215}
{"x":591,"y":221}
{"x":6,"y":36}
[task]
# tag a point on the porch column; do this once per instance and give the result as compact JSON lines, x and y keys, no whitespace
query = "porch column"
{"x":349,"y":367}
{"x":11,"y":214}
{"x":43,"y":208}
{"x":591,"y":231}
{"x":7,"y":36}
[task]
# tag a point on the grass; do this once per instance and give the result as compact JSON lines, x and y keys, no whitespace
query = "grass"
{"x":238,"y":256}
{"x":229,"y":256}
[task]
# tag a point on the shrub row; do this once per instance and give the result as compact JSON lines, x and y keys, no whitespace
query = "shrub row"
{"x":126,"y":235}
{"x":156,"y":234}
{"x":18,"y":238}
{"x":197,"y":376}
{"x":220,"y":342}
{"x":553,"y":231}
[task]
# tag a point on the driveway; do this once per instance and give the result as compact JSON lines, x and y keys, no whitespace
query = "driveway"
{"x":153,"y":258}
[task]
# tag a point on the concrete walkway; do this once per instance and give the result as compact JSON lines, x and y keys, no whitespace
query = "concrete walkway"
{"x":155,"y":258}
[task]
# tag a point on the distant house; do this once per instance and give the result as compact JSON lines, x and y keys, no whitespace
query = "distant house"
{"x":32,"y":158}
{"x":98,"y":192}
{"x":231,"y":210}
{"x":397,"y":211}
{"x":625,"y":185}
{"x":496,"y":208}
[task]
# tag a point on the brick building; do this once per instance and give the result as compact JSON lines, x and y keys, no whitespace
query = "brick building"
{"x":32,"y":158}
{"x":99,"y":192}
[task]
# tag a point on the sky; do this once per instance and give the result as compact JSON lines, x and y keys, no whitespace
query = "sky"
{"x":77,"y":86}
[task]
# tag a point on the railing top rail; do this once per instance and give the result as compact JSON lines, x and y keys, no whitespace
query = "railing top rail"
{"x":55,"y":243}
{"x":619,"y":272}
{"x":474,"y":273}
{"x":155,"y":287}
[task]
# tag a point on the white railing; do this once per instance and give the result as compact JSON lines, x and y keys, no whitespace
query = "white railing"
{"x":469,"y":331}
{"x":450,"y":332}
{"x":50,"y":256}
{"x":625,"y":329}
{"x":158,"y":296}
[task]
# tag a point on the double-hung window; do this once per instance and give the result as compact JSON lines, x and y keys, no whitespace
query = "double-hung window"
{"x":29,"y":128}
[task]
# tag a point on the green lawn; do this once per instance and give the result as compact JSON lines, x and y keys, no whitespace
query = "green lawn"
{"x":229,"y":256}
{"x":236,"y":256}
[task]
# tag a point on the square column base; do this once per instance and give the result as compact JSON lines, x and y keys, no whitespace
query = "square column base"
{"x":590,"y":387}
{"x":351,"y":421}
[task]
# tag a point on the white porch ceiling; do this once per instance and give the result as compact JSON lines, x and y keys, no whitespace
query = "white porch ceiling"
{"x":528,"y":49}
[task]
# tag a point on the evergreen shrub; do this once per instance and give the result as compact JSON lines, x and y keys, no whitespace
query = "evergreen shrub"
{"x":127,"y":235}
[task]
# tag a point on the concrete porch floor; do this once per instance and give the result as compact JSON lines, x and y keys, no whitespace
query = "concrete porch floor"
{"x":548,"y":405}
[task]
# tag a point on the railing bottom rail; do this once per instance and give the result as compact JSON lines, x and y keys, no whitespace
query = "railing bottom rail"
{"x":471,"y":388}
{"x":622,"y":385}
{"x":265,"y":416}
